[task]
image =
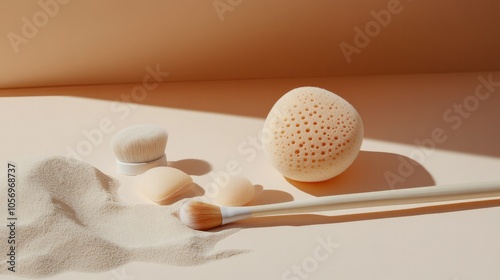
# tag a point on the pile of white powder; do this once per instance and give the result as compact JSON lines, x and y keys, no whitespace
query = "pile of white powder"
{"x":71,"y":219}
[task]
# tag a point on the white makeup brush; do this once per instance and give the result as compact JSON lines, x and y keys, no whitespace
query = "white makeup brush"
{"x":139,"y":148}
{"x":203,"y":216}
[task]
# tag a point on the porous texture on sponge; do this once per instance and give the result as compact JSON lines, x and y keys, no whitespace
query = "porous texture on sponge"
{"x":312,"y":134}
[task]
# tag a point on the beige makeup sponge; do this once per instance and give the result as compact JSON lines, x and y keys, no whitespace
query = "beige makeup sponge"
{"x":312,"y":134}
{"x":162,"y":184}
{"x":237,"y":191}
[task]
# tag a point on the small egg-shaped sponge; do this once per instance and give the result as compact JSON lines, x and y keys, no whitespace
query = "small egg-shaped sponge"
{"x":312,"y":134}
{"x":237,"y":191}
{"x":161,"y":184}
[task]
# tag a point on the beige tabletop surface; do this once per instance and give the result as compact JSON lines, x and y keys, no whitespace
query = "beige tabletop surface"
{"x":215,"y":124}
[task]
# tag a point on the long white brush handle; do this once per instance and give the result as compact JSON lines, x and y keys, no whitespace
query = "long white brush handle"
{"x":358,"y":200}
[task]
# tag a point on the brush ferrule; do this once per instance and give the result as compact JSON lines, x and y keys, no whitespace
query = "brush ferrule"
{"x":232,"y":214}
{"x":136,"y":168}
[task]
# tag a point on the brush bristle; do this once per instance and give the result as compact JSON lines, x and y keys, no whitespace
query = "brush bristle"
{"x":199,"y":215}
{"x":140,"y":143}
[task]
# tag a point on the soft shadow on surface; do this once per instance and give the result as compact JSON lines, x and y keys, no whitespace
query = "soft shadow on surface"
{"x":194,"y":167}
{"x":372,"y":171}
{"x":401,"y":120}
{"x":313,"y":219}
{"x":188,"y":191}
{"x":269,"y":196}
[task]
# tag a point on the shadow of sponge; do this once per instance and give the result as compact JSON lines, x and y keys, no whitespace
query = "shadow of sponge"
{"x":371,"y":171}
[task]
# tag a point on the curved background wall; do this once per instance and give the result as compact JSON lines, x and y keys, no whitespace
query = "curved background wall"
{"x":50,"y":42}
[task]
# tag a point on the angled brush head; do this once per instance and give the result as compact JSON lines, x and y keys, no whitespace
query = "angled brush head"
{"x":200,"y":215}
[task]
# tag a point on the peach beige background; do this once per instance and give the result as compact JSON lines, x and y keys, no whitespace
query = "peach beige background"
{"x":96,"y":42}
{"x":435,"y":66}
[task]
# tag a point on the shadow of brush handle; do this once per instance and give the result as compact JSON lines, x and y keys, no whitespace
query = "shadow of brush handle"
{"x":381,"y":198}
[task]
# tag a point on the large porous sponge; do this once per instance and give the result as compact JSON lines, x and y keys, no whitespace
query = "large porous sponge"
{"x":312,"y":134}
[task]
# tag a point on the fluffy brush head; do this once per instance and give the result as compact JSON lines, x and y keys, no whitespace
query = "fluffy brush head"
{"x":140,"y":143}
{"x":199,"y":215}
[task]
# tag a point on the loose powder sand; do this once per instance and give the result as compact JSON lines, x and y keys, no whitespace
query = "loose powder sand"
{"x":71,"y":219}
